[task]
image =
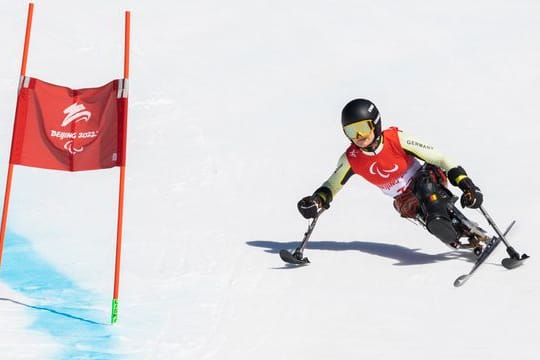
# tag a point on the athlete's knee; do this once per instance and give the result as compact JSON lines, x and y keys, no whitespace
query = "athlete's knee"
{"x":443,"y":228}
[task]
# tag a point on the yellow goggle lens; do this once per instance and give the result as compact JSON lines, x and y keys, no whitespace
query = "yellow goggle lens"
{"x":359,"y":129}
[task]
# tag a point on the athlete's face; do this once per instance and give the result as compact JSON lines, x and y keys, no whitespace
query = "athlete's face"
{"x":364,"y":142}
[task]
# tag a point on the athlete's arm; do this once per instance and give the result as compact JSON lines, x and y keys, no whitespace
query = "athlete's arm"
{"x":335,"y":182}
{"x":425,"y":152}
{"x":428,"y":153}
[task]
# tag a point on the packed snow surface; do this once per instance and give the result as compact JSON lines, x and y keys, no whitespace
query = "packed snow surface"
{"x":233,"y":117}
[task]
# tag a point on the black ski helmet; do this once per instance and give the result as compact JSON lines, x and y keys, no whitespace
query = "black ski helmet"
{"x":361,"y":109}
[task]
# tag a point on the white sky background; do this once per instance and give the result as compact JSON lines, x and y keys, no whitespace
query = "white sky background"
{"x":234,"y":116}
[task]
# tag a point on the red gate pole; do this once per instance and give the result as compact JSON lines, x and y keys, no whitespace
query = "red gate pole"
{"x":10,"y":167}
{"x":114,"y":311}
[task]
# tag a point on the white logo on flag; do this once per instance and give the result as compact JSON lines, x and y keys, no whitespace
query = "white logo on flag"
{"x":76,"y":112}
{"x":72,"y":150}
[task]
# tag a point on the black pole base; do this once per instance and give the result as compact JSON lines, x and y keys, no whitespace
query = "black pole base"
{"x":295,"y":258}
{"x":513,"y":262}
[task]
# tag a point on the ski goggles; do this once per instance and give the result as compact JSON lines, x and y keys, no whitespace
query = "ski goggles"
{"x":359,"y":129}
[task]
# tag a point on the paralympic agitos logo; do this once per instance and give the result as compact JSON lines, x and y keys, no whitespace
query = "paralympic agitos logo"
{"x":374,"y":169}
{"x":74,"y":141}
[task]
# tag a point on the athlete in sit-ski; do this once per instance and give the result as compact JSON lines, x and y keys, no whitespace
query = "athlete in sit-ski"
{"x":389,"y":159}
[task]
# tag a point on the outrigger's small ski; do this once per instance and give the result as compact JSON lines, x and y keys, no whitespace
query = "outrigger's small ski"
{"x":286,"y":256}
{"x":297,"y":257}
{"x":512,"y":262}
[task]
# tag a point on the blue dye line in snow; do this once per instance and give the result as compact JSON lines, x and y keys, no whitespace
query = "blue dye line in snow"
{"x":60,"y":308}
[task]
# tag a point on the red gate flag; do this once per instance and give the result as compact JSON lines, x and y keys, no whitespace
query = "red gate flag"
{"x":60,"y":128}
{"x":64,"y":129}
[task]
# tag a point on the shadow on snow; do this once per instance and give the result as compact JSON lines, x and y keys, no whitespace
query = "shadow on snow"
{"x":403,"y":255}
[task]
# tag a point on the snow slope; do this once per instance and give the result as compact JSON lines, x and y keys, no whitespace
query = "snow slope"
{"x":234,"y":115}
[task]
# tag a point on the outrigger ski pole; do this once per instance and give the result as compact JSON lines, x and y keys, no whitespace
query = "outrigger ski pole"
{"x":515,"y":258}
{"x":297,"y":257}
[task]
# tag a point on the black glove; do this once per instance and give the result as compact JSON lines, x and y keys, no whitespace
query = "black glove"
{"x":309,"y":206}
{"x":472,"y":196}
